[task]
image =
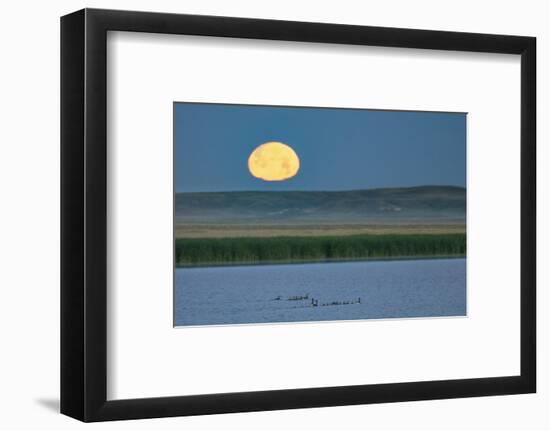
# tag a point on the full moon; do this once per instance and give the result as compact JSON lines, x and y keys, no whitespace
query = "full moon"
{"x":273,"y":161}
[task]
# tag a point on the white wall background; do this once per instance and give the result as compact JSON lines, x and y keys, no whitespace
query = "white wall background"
{"x":29,"y":231}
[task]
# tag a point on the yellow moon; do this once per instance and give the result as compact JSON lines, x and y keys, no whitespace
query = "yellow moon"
{"x":273,"y":161}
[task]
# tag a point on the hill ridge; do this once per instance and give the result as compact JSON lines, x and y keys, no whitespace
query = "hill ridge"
{"x":421,"y":187}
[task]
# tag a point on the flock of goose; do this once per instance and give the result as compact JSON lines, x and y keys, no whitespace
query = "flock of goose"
{"x":315,"y":302}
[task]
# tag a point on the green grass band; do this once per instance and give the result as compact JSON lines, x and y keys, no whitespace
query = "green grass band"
{"x":201,"y":251}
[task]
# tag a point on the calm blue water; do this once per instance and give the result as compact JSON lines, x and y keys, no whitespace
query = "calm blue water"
{"x":388,"y":289}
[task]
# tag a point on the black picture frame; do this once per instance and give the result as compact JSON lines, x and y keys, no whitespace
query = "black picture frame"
{"x":84,"y":214}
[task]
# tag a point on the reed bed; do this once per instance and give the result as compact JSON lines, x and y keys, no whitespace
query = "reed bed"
{"x":250,"y":250}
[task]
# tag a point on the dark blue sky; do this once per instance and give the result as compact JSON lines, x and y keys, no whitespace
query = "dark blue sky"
{"x":339,"y":149}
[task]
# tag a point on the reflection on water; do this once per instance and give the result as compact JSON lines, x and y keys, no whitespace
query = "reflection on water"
{"x":320,"y":291}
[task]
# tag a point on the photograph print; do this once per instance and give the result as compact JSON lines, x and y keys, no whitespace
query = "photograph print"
{"x":310,"y":214}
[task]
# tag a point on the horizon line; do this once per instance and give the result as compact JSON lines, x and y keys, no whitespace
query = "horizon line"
{"x":327,"y":191}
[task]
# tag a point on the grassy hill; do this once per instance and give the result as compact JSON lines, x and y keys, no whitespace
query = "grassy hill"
{"x":425,"y":203}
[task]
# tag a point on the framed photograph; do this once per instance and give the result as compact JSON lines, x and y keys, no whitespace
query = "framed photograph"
{"x":319,"y":227}
{"x":262,"y":215}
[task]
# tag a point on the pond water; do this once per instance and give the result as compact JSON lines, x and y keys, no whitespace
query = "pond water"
{"x":320,"y":292}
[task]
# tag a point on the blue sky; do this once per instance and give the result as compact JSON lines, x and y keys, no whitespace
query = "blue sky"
{"x":339,"y":149}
